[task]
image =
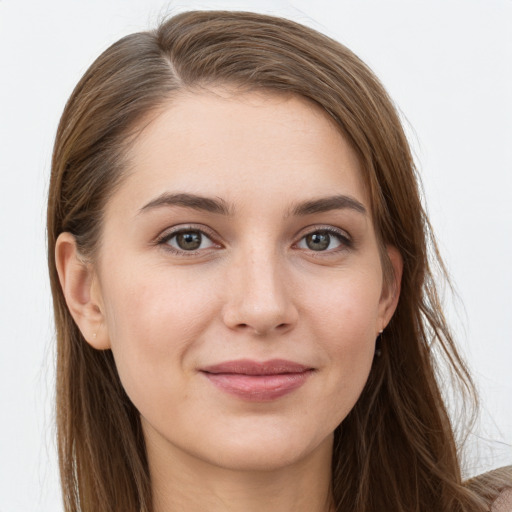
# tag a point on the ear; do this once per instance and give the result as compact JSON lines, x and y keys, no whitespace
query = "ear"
{"x":391,"y":288}
{"x":82,"y":292}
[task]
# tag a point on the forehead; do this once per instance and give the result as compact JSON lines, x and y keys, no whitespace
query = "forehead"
{"x":241,"y":146}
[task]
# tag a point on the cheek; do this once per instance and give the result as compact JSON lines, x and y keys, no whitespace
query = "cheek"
{"x":154,"y":319}
{"x":344,"y":322}
{"x":150,"y":305}
{"x":347,"y":308}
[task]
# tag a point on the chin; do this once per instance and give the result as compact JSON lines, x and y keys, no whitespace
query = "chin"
{"x":263,"y":450}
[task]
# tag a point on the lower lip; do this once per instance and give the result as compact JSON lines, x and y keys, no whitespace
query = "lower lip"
{"x":258,"y":388}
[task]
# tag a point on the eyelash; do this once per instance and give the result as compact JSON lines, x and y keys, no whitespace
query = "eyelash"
{"x":345,"y":241}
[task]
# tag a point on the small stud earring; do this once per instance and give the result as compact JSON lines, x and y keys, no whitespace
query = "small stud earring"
{"x":94,"y":336}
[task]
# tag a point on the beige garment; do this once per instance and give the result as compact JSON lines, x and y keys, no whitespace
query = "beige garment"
{"x":495,"y":487}
{"x":503,"y":502}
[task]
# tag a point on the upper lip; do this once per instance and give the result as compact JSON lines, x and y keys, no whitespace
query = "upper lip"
{"x":249,"y":367}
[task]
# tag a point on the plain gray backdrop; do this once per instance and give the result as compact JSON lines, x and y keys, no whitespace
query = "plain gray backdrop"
{"x":448,"y":66}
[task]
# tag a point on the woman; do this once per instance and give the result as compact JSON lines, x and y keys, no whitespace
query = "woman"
{"x":246,"y":316}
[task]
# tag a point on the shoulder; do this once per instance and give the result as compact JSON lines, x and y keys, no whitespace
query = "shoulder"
{"x":503,"y":503}
{"x":495,"y":487}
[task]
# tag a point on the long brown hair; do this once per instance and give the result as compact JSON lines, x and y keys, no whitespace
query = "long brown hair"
{"x":396,"y":449}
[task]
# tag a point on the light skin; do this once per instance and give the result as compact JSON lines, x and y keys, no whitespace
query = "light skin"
{"x":281,"y":261}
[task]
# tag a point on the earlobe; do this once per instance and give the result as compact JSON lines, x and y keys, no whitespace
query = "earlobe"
{"x":81,"y":292}
{"x":391,"y":289}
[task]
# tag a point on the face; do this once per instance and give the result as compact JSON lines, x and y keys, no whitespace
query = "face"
{"x":239,"y":279}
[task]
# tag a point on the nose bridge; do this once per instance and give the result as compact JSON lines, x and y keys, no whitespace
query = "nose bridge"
{"x":258,"y":295}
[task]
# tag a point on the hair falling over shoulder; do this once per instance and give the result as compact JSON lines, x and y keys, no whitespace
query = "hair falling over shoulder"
{"x":396,"y":450}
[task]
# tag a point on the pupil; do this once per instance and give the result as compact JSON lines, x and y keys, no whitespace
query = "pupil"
{"x":189,"y":241}
{"x":318,"y":241}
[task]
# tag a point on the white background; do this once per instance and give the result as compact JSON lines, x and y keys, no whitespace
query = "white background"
{"x":448,"y":66}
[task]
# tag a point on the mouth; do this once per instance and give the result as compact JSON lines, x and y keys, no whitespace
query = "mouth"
{"x":258,"y":381}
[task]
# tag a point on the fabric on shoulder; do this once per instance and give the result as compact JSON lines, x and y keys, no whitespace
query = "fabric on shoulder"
{"x":495,"y":487}
{"x":503,"y":503}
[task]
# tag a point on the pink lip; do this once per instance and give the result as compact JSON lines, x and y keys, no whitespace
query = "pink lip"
{"x":258,"y":382}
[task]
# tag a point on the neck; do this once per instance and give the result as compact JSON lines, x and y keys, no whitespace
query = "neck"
{"x":183,"y":483}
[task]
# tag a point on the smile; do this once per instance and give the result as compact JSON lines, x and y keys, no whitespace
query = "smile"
{"x":257,"y":382}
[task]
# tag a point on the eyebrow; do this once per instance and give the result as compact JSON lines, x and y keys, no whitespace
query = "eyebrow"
{"x":189,"y":201}
{"x":326,"y":204}
{"x":219,"y":206}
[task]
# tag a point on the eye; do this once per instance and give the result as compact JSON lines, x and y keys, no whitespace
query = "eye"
{"x":187,"y":240}
{"x":323,"y":240}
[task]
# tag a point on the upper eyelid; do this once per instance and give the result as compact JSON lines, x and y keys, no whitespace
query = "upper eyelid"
{"x":323,"y":227}
{"x":168,"y":233}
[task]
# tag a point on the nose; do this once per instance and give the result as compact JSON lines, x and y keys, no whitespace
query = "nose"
{"x":259,"y":299}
